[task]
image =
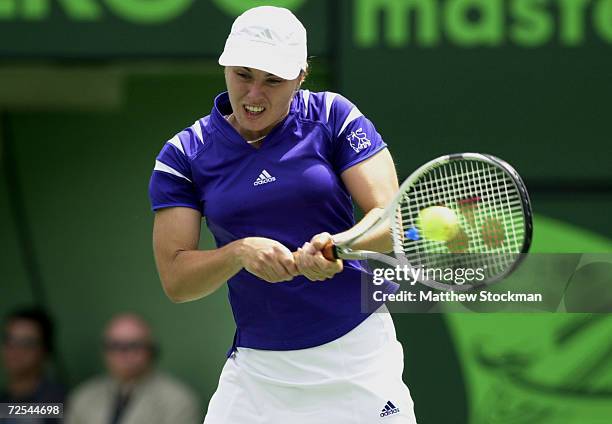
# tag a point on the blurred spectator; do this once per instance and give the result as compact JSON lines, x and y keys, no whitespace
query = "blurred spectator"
{"x":133,"y":392}
{"x":27,"y":346}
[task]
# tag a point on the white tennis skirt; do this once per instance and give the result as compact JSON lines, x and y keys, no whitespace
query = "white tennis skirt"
{"x":354,"y":379}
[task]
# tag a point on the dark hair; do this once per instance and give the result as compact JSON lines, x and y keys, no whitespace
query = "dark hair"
{"x":306,"y":71}
{"x":40,"y":318}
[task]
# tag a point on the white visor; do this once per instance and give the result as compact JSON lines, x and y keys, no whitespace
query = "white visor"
{"x":267,"y":38}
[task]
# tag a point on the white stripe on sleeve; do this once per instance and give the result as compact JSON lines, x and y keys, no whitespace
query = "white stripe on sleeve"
{"x":197,"y":128}
{"x":353,"y":114}
{"x":329,"y":99}
{"x":175,"y":141}
{"x":160,"y":166}
{"x":306,"y":97}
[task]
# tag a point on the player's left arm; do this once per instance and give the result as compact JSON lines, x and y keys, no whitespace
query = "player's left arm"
{"x":372,"y":184}
{"x":367,"y":170}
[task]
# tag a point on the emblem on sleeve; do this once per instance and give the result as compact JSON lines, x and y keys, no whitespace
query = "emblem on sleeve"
{"x":358,"y":140}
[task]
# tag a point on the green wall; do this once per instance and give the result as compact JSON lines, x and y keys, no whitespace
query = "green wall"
{"x":542,"y":107}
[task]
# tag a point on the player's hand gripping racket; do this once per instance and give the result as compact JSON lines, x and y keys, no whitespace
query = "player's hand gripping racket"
{"x":492,"y":213}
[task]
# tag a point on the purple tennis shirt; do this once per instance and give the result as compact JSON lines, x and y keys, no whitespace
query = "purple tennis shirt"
{"x":287,"y":190}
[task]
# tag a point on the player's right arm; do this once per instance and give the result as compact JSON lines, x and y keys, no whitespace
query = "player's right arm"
{"x":185,"y":272}
{"x":188,"y":274}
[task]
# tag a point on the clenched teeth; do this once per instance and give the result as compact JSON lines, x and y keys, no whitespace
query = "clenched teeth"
{"x":254,"y":109}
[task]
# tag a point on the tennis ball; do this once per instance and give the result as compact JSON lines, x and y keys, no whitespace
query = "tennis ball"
{"x":438,"y":223}
{"x":460,"y":243}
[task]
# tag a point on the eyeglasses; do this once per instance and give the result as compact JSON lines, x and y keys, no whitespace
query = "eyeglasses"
{"x":123,"y":346}
{"x":20,"y":342}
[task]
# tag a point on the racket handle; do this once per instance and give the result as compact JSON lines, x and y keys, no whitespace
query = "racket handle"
{"x":329,"y":252}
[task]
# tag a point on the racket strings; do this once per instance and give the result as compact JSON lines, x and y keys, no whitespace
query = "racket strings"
{"x":490,"y":211}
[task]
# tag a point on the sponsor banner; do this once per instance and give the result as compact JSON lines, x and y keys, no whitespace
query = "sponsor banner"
{"x":141,"y":28}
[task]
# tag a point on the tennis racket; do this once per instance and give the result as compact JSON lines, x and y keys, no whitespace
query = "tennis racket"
{"x":494,"y":214}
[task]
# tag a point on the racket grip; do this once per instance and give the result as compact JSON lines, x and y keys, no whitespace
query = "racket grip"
{"x":329,"y":252}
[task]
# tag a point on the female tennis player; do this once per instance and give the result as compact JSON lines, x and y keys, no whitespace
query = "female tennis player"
{"x":274,"y":169}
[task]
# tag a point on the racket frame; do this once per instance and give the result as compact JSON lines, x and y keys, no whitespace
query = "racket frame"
{"x":343,"y":251}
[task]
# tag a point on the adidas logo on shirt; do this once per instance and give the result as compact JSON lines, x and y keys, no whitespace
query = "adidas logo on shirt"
{"x":389,"y":409}
{"x":264,"y":178}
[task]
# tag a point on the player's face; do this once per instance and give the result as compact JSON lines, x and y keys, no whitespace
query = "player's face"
{"x":22,"y":350}
{"x":259,"y":99}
